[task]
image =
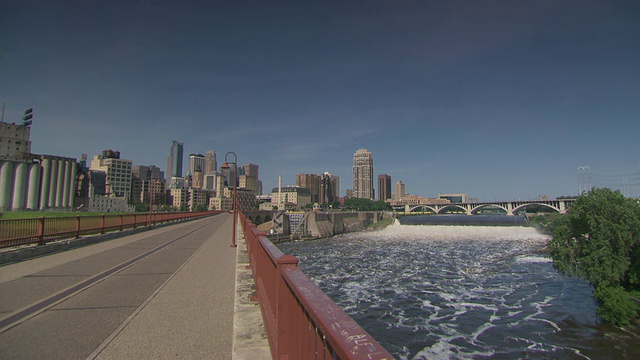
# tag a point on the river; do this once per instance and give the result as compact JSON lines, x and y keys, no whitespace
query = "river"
{"x":462,"y":292}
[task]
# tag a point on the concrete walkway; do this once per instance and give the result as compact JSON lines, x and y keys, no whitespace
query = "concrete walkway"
{"x":202,"y":311}
{"x":192,"y":315}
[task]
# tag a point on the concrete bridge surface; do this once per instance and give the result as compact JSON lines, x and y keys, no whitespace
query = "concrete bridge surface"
{"x":509,"y":207}
{"x":169,"y":292}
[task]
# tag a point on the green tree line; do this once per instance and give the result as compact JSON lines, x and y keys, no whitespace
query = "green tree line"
{"x":599,"y":241}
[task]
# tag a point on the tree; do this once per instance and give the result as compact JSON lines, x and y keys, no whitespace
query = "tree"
{"x":141,"y":207}
{"x":167,"y":208}
{"x":599,"y":241}
{"x":201,"y":208}
{"x":366,"y":204}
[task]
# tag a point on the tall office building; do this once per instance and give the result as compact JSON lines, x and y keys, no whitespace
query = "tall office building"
{"x":384,"y":187}
{"x":174,"y":161}
{"x":322,"y":187}
{"x":311,"y":182}
{"x":335,"y":179}
{"x":400,"y":191}
{"x":210,"y":162}
{"x":363,"y":175}
{"x":228,"y":175}
{"x":251,"y":170}
{"x":197,"y":163}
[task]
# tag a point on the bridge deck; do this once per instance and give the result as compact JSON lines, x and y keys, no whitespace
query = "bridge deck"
{"x":165,"y":293}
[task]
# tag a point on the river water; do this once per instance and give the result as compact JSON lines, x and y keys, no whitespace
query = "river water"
{"x":462,"y":292}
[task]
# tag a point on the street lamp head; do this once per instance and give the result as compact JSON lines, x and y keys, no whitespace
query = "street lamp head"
{"x":225,"y":166}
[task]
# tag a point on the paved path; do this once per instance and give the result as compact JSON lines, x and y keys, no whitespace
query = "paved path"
{"x":165,"y":293}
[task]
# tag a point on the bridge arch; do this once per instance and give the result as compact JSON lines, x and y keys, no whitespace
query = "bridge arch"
{"x":443,"y":208}
{"x":475,"y":210}
{"x":424,"y":207}
{"x":522,"y":206}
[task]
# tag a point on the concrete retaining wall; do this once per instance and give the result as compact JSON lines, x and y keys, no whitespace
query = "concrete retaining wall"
{"x":330,"y":224}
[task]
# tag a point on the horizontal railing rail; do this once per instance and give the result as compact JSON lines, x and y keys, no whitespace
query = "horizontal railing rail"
{"x":16,"y":232}
{"x":301,"y":321}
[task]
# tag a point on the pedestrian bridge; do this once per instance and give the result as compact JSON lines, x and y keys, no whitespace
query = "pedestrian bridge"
{"x":510,"y":207}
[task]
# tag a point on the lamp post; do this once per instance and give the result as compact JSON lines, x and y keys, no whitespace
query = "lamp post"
{"x":151,"y":194}
{"x":150,"y":202}
{"x":225,"y":166}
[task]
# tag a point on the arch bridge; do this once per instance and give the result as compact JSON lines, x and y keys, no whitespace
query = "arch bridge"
{"x":260,"y":216}
{"x":510,"y":207}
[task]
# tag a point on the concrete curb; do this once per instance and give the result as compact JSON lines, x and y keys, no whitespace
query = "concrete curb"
{"x":249,"y":335}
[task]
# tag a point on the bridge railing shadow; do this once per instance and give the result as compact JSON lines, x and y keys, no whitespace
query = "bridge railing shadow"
{"x":301,"y":321}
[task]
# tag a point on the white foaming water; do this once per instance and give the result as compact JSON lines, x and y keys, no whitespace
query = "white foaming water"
{"x":533,"y":259}
{"x":396,"y":231}
{"x":444,"y":291}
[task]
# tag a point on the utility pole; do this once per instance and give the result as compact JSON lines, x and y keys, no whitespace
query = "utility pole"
{"x":584,"y":179}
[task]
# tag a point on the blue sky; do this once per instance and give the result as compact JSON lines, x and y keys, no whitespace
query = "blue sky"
{"x":497,"y":99}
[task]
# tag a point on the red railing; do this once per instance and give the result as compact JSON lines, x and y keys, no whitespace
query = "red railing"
{"x":42,"y":230}
{"x":302,"y":322}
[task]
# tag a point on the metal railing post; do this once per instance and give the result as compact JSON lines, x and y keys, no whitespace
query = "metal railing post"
{"x":77,"y":226}
{"x":286,"y":338}
{"x":41,"y":230}
{"x":103,"y":223}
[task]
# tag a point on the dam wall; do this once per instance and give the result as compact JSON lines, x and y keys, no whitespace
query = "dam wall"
{"x":322,"y":224}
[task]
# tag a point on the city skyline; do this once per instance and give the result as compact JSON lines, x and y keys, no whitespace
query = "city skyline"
{"x":498,"y":100}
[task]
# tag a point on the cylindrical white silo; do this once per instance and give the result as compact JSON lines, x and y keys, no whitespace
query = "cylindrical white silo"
{"x":67,"y":185}
{"x":60,"y":191}
{"x":33,"y":189}
{"x":72,"y":193}
{"x":20,"y":186}
{"x":45,"y":183}
{"x":53,"y":184}
{"x":6,"y":184}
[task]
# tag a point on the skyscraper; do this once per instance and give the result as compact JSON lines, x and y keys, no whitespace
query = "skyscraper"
{"x":196,"y":170}
{"x":363,"y":174}
{"x":336,"y":180}
{"x":322,"y":187}
{"x":174,"y":161}
{"x":384,"y":187}
{"x":311,"y":182}
{"x":400,"y":191}
{"x":251,"y":170}
{"x":210,"y":162}
{"x":197,"y":163}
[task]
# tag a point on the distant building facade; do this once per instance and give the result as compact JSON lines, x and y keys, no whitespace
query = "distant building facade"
{"x":311,"y":182}
{"x":15,"y":143}
{"x":118,"y":172}
{"x":322,"y":187}
{"x":30,"y":181}
{"x":174,"y":161}
{"x":454,"y":198}
{"x":296,"y":196}
{"x":363,"y":175}
{"x":384,"y":187}
{"x":399,"y":190}
{"x":148,"y":185}
{"x":210,"y":162}
{"x":196,"y":163}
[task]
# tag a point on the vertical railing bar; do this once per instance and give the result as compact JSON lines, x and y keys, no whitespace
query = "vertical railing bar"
{"x":77,"y":226}
{"x":41,"y":223}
